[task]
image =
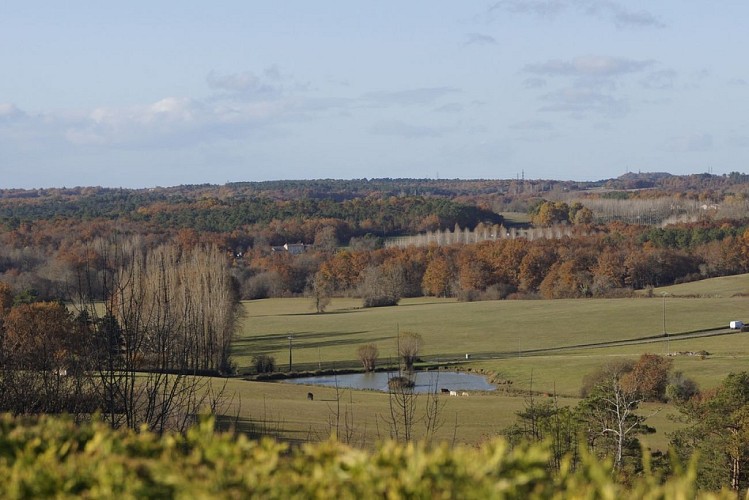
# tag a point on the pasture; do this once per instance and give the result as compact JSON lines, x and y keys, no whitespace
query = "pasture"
{"x":546,"y":345}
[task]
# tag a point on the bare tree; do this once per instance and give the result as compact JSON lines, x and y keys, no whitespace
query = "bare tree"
{"x":609,"y":411}
{"x":368,"y":354}
{"x":409,"y":345}
{"x":402,"y":408}
{"x":382,"y":285}
{"x":168,"y":317}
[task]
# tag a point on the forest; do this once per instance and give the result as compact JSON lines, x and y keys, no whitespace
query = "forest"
{"x":571,"y":239}
{"x":120,"y":302}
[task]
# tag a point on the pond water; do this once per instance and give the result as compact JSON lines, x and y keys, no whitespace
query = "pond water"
{"x":429,"y":381}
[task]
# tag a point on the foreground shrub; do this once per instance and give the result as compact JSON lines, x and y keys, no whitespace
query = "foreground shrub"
{"x":52,"y":457}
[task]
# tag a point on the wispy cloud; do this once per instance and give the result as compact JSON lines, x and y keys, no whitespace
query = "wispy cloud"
{"x":578,"y":102}
{"x":532,"y":125}
{"x":451,"y":107}
{"x":271,"y":82}
{"x":541,"y":8}
{"x":739,"y":141}
{"x":614,"y":12}
{"x":621,"y":16}
{"x":480,"y":39}
{"x":591,"y":83}
{"x":660,"y":80}
{"x":410,"y":97}
{"x":401,"y":129}
{"x":534,"y":130}
{"x":598,"y":66}
{"x":534,"y":83}
{"x":697,"y":142}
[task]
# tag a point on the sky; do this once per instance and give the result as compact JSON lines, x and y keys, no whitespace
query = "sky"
{"x":142,"y":94}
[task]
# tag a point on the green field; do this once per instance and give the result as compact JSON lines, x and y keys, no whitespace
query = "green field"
{"x":501,"y":337}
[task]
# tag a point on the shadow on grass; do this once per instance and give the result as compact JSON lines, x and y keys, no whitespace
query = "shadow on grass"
{"x":326,"y":313}
{"x":260,"y":428}
{"x":300,"y":340}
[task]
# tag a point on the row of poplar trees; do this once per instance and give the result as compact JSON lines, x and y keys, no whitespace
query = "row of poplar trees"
{"x":143,"y":324}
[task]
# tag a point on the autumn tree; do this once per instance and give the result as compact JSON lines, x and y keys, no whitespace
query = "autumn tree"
{"x":609,"y":271}
{"x":535,"y":265}
{"x":438,"y":277}
{"x":649,"y":377}
{"x":551,"y":212}
{"x":473,"y":272}
{"x":44,"y":361}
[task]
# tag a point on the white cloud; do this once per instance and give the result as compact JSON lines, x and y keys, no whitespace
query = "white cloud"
{"x":10,"y":113}
{"x":172,"y":121}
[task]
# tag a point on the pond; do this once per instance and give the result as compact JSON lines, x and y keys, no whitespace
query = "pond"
{"x":429,"y":381}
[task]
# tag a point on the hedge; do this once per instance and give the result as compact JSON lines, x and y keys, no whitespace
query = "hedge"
{"x":54,"y":457}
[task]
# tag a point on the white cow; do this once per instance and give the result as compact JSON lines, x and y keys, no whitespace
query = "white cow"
{"x":453,"y":393}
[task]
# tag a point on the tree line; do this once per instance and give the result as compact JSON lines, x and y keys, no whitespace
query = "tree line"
{"x":610,"y":418}
{"x":582,"y":260}
{"x":142,"y":323}
{"x":601,"y":262}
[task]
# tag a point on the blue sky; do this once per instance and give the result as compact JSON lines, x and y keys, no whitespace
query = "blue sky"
{"x":142,"y":94}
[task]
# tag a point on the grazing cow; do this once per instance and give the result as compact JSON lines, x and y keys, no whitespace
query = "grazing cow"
{"x":310,"y":396}
{"x":453,"y":393}
{"x":445,"y":391}
{"x":464,"y":393}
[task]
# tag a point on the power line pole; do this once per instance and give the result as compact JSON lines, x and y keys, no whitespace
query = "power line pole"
{"x":290,"y":338}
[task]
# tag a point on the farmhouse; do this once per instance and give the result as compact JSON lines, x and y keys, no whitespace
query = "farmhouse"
{"x":293,"y":248}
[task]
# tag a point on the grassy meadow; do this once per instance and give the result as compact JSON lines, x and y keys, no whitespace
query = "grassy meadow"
{"x":501,"y":337}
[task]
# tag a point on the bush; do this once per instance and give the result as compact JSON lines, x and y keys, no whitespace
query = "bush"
{"x":52,"y":457}
{"x":400,"y":383}
{"x":264,"y":363}
{"x":380,"y":301}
